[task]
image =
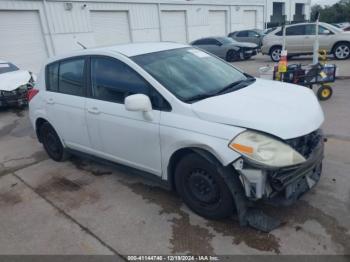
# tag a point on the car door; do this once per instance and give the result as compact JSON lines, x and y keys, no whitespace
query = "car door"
{"x":295,"y":38}
{"x":65,"y":101}
{"x":116,"y":134}
{"x":325,"y":37}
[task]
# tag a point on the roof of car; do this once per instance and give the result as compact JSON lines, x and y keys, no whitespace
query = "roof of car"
{"x":142,"y":48}
{"x":131,"y":49}
{"x":3,"y":61}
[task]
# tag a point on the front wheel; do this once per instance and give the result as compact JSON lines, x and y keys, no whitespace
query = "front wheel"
{"x":202,"y":188}
{"x":324,"y":92}
{"x":275,"y":53}
{"x":342,"y":51}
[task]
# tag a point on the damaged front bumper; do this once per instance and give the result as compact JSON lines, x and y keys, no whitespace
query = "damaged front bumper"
{"x":15,"y":98}
{"x":282,"y":186}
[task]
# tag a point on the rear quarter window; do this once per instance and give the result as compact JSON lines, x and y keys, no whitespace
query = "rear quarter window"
{"x":66,"y":76}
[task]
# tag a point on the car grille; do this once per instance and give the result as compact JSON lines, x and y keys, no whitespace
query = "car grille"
{"x":306,"y":144}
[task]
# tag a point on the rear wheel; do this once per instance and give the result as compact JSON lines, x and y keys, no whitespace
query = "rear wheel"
{"x":232,"y":55}
{"x":324,"y":92}
{"x":52,"y":143}
{"x":202,"y":188}
{"x":275,"y":53}
{"x":342,"y":51}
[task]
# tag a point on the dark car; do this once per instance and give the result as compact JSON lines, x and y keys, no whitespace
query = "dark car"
{"x":227,"y":48}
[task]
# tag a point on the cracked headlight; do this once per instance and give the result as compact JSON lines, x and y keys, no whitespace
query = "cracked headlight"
{"x":265,"y":150}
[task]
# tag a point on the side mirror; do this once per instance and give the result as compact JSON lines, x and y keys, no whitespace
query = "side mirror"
{"x":138,"y":102}
{"x":326,"y":32}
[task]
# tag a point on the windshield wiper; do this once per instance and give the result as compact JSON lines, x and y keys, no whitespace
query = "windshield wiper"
{"x":198,"y":97}
{"x":229,"y":88}
{"x":235,"y":85}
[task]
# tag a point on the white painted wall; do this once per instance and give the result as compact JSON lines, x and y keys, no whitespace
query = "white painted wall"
{"x":62,"y":28}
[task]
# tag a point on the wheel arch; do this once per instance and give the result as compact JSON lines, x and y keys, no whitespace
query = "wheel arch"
{"x":181,"y":153}
{"x":274,"y":47}
{"x":337,"y":43}
{"x":38,"y":123}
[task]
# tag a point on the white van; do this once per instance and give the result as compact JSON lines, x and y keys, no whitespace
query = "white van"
{"x":221,"y":138}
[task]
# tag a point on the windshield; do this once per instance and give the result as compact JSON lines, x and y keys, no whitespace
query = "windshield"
{"x":7,"y":67}
{"x":189,"y":72}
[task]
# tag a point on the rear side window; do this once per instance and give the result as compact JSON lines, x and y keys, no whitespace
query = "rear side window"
{"x":112,"y":80}
{"x":52,"y":77}
{"x":66,"y":77}
{"x":71,"y":77}
{"x":295,"y":30}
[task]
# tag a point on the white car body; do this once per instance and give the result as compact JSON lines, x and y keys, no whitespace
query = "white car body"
{"x":12,"y":80}
{"x":148,"y":140}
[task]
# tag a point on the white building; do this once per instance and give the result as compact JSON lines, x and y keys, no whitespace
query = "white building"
{"x":32,"y":30}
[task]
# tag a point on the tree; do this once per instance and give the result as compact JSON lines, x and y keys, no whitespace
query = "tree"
{"x":337,"y":13}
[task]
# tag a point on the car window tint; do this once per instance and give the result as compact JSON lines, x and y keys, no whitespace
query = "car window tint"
{"x":212,"y":42}
{"x":52,"y":77}
{"x":7,"y":67}
{"x":252,"y":34}
{"x":295,"y":30}
{"x":199,"y":42}
{"x":113,"y":80}
{"x":242,"y":34}
{"x":71,"y":77}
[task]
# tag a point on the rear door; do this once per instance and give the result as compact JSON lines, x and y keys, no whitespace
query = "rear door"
{"x":65,"y":101}
{"x":295,"y":39}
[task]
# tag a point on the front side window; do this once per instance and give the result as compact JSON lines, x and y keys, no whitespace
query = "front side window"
{"x":71,"y":77}
{"x":7,"y":67}
{"x":113,"y":80}
{"x":189,"y":72}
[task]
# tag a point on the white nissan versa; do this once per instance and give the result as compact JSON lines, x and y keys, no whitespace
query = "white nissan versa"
{"x":221,"y":138}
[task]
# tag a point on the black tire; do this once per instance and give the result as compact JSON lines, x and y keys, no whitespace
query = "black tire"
{"x":341,"y":51}
{"x":52,"y":143}
{"x":232,"y":55}
{"x":324,"y":92}
{"x":274,"y":53}
{"x":202,"y":188}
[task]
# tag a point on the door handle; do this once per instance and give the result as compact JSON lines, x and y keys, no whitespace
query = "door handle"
{"x":94,"y":110}
{"x":50,"y":101}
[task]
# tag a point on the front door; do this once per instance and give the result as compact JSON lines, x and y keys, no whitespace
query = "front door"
{"x":117,"y":134}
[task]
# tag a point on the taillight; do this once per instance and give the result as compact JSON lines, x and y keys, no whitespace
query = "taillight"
{"x":31,"y":93}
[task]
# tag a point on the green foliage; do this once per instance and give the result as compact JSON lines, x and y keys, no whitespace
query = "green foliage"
{"x":337,"y":13}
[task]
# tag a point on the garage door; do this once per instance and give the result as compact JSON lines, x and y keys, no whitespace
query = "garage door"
{"x":250,"y":19}
{"x":217,"y":23}
{"x":110,"y":27}
{"x":174,"y":26}
{"x":21,"y":39}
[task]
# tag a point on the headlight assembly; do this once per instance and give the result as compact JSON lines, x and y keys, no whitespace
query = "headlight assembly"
{"x":265,"y":150}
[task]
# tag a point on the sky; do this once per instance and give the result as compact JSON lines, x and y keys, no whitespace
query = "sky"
{"x":324,"y":2}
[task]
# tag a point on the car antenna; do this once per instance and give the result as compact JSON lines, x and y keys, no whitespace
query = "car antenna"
{"x":84,"y":47}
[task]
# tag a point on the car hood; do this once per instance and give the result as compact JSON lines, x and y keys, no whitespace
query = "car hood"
{"x":281,"y":109}
{"x":12,"y":80}
{"x":244,"y":44}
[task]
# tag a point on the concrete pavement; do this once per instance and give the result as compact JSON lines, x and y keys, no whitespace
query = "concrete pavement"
{"x":81,"y":207}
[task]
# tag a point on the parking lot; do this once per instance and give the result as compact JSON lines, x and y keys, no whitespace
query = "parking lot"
{"x":82,"y":207}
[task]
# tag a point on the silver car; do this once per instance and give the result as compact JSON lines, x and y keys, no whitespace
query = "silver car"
{"x":300,"y":40}
{"x":251,"y":36}
{"x":227,"y":48}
